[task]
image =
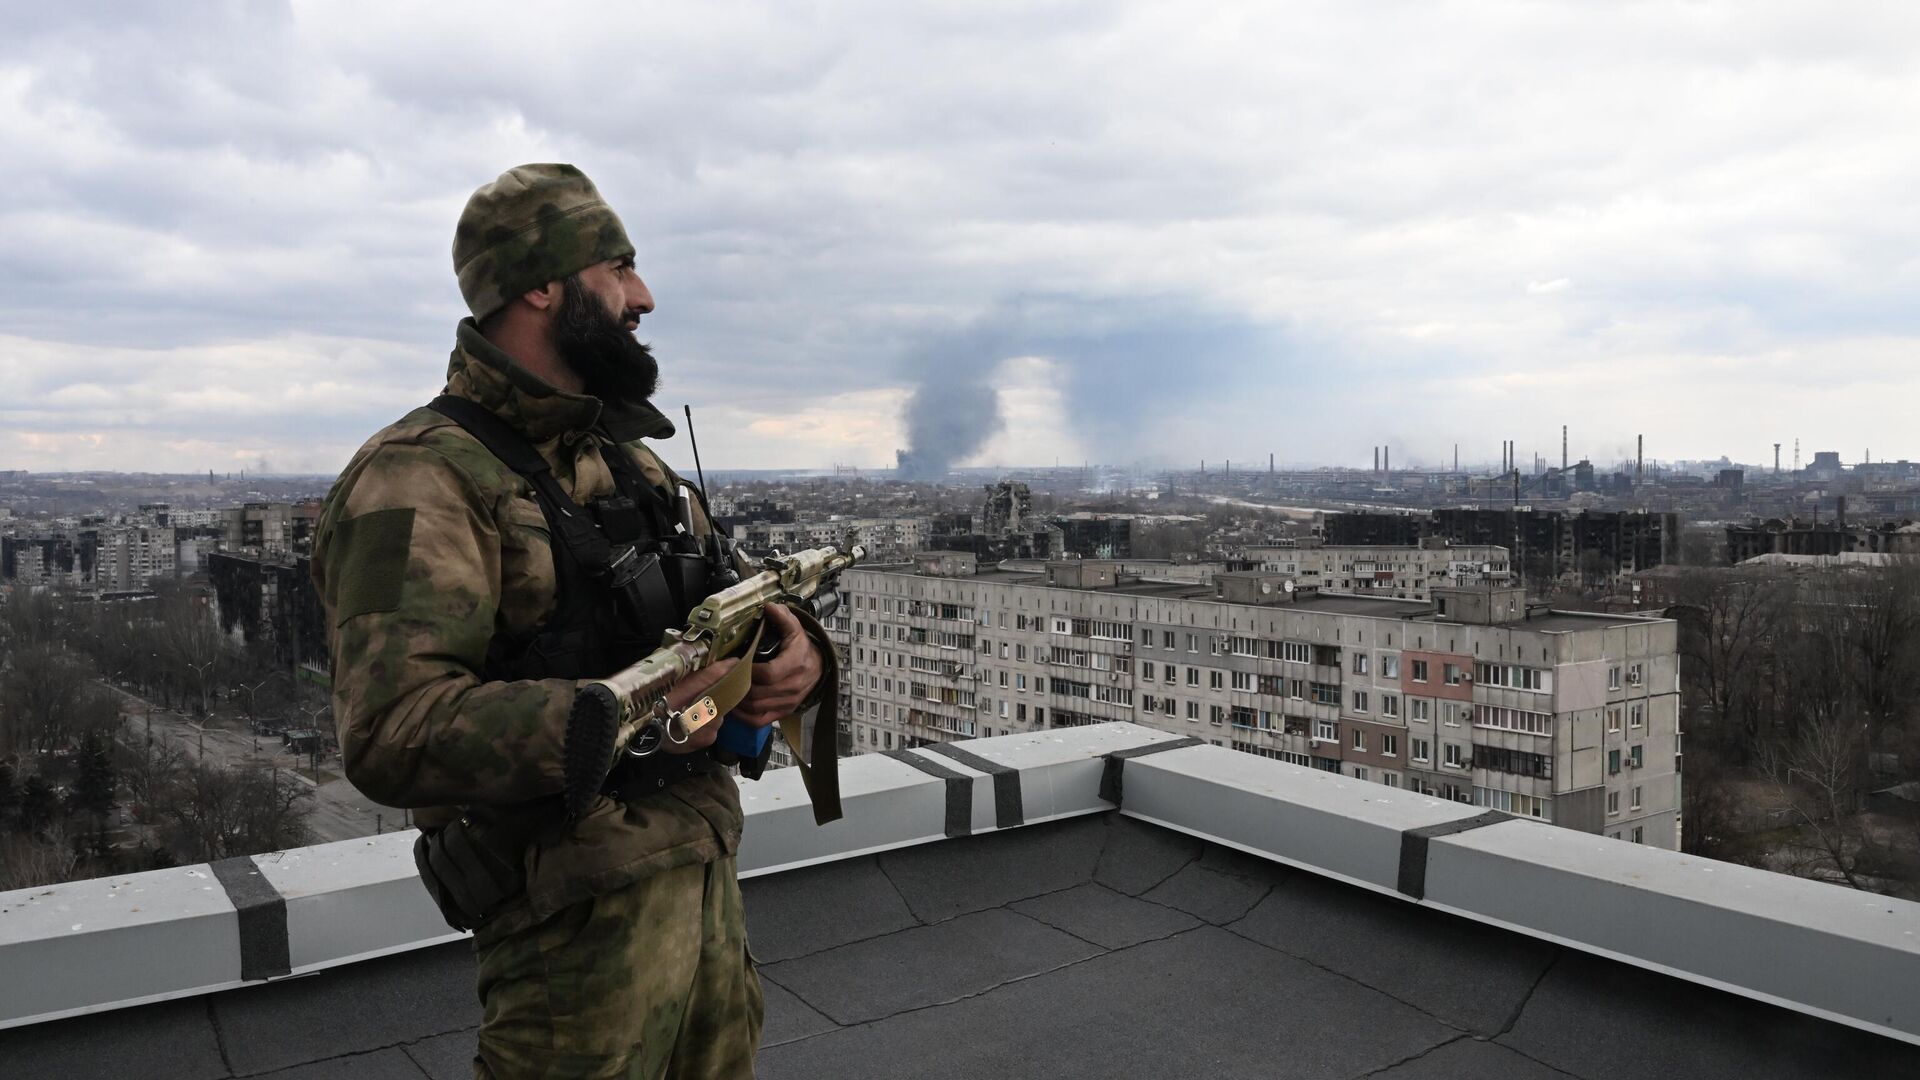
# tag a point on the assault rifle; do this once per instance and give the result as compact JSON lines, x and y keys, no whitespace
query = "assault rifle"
{"x":627,"y":712}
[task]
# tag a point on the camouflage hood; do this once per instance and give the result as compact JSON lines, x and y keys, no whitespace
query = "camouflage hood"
{"x":481,"y":372}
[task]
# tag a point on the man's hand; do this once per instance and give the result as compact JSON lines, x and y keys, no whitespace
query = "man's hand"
{"x":782,"y":683}
{"x":686,"y":693}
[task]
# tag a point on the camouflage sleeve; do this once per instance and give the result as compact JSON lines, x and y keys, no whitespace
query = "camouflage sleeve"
{"x":407,"y":562}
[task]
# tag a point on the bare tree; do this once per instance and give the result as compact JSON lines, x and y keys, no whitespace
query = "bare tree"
{"x":1817,"y":776}
{"x":215,"y":813}
{"x":28,"y":860}
{"x":1730,"y":623}
{"x":48,"y":697}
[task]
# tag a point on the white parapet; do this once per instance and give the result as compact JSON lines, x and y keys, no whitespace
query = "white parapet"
{"x":1842,"y":955}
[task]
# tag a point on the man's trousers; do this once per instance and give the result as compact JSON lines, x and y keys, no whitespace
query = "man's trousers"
{"x":651,"y":982}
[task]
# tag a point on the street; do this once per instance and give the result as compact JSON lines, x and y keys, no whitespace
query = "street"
{"x":339,"y":811}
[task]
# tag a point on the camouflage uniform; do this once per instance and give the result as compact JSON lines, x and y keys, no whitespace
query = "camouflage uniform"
{"x":630,"y":933}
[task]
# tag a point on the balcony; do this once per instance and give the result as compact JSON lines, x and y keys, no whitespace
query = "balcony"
{"x":1075,"y":902}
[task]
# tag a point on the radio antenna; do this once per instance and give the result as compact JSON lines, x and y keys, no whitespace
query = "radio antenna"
{"x":697,"y":470}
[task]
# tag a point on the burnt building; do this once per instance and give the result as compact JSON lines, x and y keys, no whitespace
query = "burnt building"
{"x":1096,"y":536}
{"x":270,"y":604}
{"x":1547,"y":545}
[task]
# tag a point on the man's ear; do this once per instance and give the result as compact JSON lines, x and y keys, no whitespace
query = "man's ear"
{"x":544,"y":298}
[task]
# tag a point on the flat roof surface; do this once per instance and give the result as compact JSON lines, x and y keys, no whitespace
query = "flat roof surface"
{"x":1093,"y":947}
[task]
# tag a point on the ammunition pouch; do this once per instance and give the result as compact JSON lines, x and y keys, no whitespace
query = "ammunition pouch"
{"x":471,"y":868}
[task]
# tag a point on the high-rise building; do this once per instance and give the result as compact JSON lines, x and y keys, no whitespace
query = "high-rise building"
{"x":1473,"y":695}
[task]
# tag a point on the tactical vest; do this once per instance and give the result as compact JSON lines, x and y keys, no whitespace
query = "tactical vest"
{"x":626,"y":570}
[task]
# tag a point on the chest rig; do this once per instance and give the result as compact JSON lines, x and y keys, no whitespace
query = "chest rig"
{"x":625,"y":569}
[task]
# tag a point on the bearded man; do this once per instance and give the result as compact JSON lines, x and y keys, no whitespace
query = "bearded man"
{"x":476,"y":563}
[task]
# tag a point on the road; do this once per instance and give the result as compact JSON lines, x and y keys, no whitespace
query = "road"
{"x":339,"y":811}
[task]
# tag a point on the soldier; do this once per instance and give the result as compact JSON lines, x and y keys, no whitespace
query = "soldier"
{"x":466,"y":561}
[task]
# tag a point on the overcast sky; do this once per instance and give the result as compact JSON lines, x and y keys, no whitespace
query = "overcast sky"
{"x":1155,"y":232}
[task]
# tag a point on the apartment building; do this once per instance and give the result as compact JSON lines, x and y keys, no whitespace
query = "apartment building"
{"x":1400,"y":572}
{"x":884,"y":538}
{"x":1471,"y":695}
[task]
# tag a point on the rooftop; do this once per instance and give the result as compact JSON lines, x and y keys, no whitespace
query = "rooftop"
{"x":1090,"y":902}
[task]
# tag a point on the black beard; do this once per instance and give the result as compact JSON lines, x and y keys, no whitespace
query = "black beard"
{"x":614,"y":365}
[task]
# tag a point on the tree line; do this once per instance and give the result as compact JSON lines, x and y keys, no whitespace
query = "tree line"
{"x":84,"y":790}
{"x":1799,"y":688}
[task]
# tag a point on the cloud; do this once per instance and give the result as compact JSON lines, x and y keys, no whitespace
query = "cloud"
{"x":1251,"y":228}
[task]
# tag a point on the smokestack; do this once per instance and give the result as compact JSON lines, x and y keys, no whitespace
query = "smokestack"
{"x":1376,"y":459}
{"x":1456,"y":457}
{"x":1269,"y":462}
{"x":1840,"y":513}
{"x":1639,"y":458}
{"x":1386,"y":457}
{"x":1776,"y":459}
{"x":1563,"y":448}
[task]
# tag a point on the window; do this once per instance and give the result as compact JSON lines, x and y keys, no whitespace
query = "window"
{"x":1193,"y":711}
{"x":1519,"y":762}
{"x":1215,"y":680}
{"x":1450,"y":714}
{"x":1390,"y":779}
{"x":1193,"y":643}
{"x":1359,"y":701}
{"x":1613,"y":803}
{"x":1634,"y":803}
{"x":1531,"y":723}
{"x":1146,"y":669}
{"x":1420,"y":709}
{"x":1216,"y":713}
{"x":1639,"y":835}
{"x":1511,"y":802}
{"x":1243,"y":680}
{"x":1359,"y":663}
{"x":1455,"y":759}
{"x":1359,"y":739}
{"x":1633,"y":756}
{"x":1419,"y":671}
{"x":1633,"y":675}
{"x":1389,"y":705}
{"x":1326,"y":731}
{"x":1389,"y":666}
{"x":1613,"y":678}
{"x":1359,"y":773}
{"x":1166,"y":639}
{"x":1613,"y":719}
{"x":1422,"y":750}
{"x":1452,"y":674}
{"x":1389,"y":745}
{"x":1637,"y":714}
{"x":1173,"y":674}
{"x":1193,"y":676}
{"x":1613,"y":762}
{"x":1323,"y":694}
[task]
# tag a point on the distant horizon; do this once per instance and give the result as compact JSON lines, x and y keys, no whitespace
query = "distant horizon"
{"x":1054,"y":232}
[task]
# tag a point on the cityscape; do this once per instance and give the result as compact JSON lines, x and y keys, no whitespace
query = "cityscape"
{"x":1609,"y":651}
{"x":1052,"y":540}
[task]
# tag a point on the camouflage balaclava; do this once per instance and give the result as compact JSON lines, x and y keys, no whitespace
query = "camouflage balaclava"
{"x":535,"y":224}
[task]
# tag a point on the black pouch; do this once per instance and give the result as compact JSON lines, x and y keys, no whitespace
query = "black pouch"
{"x":466,"y":872}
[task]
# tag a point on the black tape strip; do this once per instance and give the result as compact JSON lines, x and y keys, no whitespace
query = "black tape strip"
{"x":959,"y":790}
{"x":1110,"y":774}
{"x":263,"y":918}
{"x":1413,"y":848}
{"x":1008,"y":808}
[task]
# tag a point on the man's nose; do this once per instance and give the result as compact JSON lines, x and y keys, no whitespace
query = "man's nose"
{"x":638,"y":297}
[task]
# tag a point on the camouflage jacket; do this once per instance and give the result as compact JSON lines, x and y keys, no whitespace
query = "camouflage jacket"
{"x":426,"y":548}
